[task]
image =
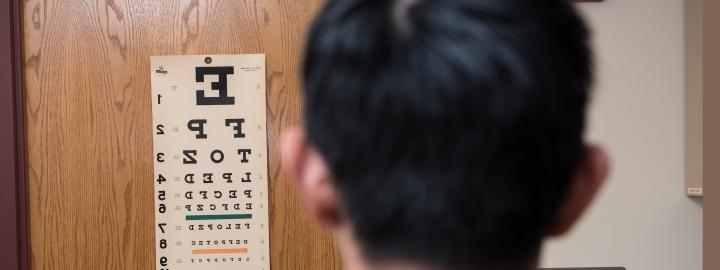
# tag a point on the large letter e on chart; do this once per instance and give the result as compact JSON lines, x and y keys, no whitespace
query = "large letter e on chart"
{"x":220,"y":85}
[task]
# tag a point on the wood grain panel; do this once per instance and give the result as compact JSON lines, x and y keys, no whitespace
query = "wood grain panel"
{"x":89,"y":123}
{"x":711,"y":134}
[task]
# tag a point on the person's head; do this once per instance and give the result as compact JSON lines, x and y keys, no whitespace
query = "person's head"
{"x":446,"y":133}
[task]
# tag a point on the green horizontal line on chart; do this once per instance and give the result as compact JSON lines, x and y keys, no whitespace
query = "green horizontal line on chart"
{"x":218,"y":217}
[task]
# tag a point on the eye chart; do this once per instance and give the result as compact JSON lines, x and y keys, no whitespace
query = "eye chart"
{"x":210,"y":154}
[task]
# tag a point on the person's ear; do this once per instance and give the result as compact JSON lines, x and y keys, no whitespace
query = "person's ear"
{"x":591,"y":173}
{"x":311,"y":177}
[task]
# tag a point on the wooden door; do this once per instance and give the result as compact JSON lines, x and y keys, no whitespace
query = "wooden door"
{"x":89,"y":134}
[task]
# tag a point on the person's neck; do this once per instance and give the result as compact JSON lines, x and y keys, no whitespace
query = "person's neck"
{"x":353,"y":259}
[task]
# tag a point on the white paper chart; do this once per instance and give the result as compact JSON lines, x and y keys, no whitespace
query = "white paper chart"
{"x":210,"y":154}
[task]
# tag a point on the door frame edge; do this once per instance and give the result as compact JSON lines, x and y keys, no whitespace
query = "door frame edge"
{"x":15,"y":136}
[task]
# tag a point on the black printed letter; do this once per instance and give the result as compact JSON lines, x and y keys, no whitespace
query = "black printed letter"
{"x":244,"y":153}
{"x":220,"y":85}
{"x":198,"y":125}
{"x":237,"y":127}
{"x":189,"y":157}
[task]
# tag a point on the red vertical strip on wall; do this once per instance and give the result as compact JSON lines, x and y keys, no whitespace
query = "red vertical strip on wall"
{"x":19,"y":108}
{"x":13,"y":226}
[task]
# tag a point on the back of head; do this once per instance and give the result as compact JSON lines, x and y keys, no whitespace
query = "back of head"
{"x":451,"y":127}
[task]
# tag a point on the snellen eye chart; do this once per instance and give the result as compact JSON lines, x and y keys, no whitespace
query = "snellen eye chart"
{"x":210,"y":155}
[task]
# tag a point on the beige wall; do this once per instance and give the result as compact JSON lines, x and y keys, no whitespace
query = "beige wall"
{"x":643,"y":220}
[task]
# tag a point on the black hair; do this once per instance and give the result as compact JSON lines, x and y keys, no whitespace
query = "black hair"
{"x":452,"y":127}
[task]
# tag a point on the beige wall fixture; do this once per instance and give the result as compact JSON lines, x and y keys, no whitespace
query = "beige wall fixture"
{"x":694,"y":97}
